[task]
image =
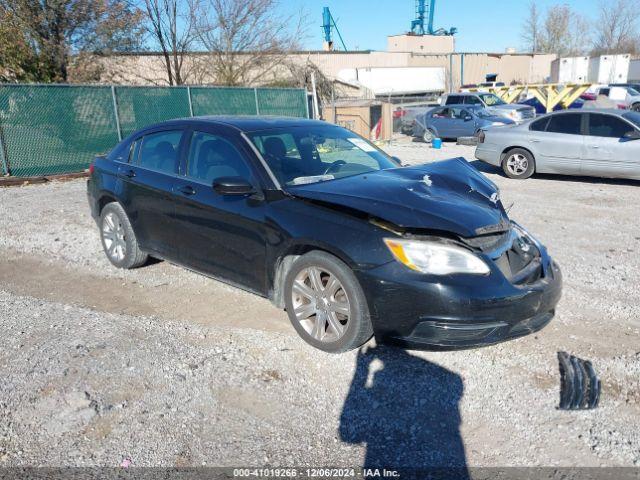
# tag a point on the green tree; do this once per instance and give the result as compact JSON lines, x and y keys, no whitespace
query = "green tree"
{"x":65,"y":35}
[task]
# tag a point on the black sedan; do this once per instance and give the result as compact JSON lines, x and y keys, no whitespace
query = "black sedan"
{"x":329,"y":228}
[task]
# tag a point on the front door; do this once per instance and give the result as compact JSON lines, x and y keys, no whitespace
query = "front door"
{"x":220,"y":235}
{"x":607,"y":152}
{"x":559,"y":148}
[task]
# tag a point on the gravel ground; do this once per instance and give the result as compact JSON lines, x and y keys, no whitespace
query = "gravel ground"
{"x":165,"y":367}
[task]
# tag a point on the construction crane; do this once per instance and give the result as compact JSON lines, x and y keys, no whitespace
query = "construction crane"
{"x":426,"y":9}
{"x":328,"y":25}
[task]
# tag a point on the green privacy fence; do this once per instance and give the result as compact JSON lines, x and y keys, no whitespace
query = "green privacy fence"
{"x":50,"y":129}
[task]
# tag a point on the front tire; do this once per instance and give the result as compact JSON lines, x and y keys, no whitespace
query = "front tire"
{"x":636,"y":107}
{"x":325,"y":303}
{"x":518,"y":163}
{"x":118,"y":240}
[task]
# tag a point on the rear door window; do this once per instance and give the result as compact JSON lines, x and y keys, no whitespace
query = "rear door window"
{"x":159,"y":151}
{"x":567,"y":123}
{"x":453,"y":99}
{"x":607,"y":126}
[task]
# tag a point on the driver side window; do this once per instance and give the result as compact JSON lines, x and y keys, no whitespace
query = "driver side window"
{"x":212,"y":157}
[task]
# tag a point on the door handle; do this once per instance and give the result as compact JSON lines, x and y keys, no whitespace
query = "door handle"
{"x":594,"y":146}
{"x":187,"y":190}
{"x":130,"y":173}
{"x":534,"y":140}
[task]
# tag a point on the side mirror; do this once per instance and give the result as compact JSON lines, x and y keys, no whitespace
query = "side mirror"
{"x":233,"y":186}
{"x":632,"y":135}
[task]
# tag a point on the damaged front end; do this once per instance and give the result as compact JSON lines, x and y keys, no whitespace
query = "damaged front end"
{"x":462,"y":273}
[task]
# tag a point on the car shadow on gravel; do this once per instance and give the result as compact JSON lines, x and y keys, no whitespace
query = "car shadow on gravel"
{"x":405,"y":409}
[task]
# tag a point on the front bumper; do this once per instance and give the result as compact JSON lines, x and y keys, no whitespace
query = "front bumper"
{"x":488,"y":154}
{"x":459,"y":311}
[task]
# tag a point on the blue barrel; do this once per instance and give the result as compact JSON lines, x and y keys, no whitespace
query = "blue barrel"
{"x":436,"y":143}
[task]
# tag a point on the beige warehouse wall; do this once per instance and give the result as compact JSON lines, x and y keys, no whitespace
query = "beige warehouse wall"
{"x":523,"y":68}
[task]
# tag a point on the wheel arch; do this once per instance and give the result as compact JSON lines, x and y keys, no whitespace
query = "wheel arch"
{"x":503,"y":155}
{"x":284,"y":260}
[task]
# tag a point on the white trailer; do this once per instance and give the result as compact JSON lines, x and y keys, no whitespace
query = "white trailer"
{"x":634,"y":71}
{"x":609,"y":68}
{"x":570,"y":70}
{"x":397,"y":80}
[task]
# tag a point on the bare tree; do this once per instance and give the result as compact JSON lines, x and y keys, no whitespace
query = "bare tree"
{"x":248,"y":41}
{"x":531,"y":28}
{"x":564,"y":32}
{"x":59,"y":31}
{"x":171,"y":24}
{"x":616,"y":29}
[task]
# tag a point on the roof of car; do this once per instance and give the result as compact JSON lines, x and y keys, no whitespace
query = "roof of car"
{"x":249,"y":123}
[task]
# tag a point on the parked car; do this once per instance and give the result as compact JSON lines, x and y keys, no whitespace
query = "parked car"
{"x":328,"y":227}
{"x":455,"y":121}
{"x":599,"y":143}
{"x":494,"y":104}
{"x":408,"y":117}
{"x":625,"y":97}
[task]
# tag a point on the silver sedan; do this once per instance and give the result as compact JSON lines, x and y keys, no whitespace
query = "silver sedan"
{"x":599,"y":143}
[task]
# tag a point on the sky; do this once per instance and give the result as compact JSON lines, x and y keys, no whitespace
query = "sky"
{"x":489,"y":26}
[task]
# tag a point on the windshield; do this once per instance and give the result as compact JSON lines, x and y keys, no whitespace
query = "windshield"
{"x":491,"y":99}
{"x":303,"y":155}
{"x":633,"y":117}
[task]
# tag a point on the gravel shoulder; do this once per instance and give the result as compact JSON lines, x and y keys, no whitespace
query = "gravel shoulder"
{"x":98,"y":365}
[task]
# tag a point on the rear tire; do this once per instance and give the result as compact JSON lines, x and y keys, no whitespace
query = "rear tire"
{"x":518,"y":163}
{"x":118,"y":240}
{"x":635,"y":107}
{"x":428,"y":135}
{"x":326,"y":304}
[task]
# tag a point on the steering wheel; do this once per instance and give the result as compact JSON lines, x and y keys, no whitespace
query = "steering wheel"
{"x":334,"y":165}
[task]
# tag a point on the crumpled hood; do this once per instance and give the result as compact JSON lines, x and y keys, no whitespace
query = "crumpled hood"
{"x":448,"y":196}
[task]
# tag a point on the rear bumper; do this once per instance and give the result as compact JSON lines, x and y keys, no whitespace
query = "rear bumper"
{"x":93,"y":202}
{"x":461,"y":311}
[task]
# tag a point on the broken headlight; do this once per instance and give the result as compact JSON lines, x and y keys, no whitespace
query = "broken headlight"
{"x":436,"y":258}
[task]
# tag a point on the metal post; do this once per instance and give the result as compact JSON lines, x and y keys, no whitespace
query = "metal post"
{"x":3,"y":154}
{"x":316,"y":110}
{"x":306,"y":101}
{"x":190,"y":103}
{"x":255,"y":93}
{"x":451,"y":73}
{"x":115,"y":111}
{"x":461,"y":69}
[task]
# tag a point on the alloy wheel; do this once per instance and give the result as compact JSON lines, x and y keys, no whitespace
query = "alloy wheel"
{"x":517,"y":164}
{"x":320,"y":304}
{"x":114,"y":238}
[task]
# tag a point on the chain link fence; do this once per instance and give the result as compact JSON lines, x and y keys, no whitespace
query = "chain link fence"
{"x":53,"y":129}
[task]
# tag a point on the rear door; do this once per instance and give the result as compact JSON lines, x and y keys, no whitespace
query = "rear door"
{"x":220,"y":235}
{"x":147,"y":189}
{"x":607,"y":152}
{"x":559,"y":148}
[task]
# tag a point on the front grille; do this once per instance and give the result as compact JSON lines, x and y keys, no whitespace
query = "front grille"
{"x":515,"y":255}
